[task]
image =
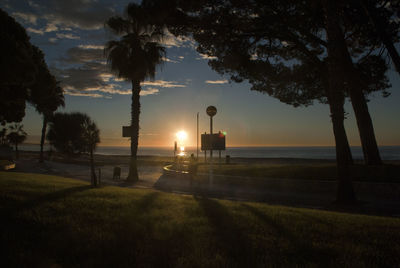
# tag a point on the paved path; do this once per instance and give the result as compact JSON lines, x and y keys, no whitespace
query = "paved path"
{"x":148,"y":174}
{"x":377,"y":198}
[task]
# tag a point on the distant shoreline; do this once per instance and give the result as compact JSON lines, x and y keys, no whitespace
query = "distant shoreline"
{"x":102,"y":159}
{"x":327,"y":152}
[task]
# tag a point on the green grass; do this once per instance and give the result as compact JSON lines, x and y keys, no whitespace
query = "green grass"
{"x":49,"y":221}
{"x":387,"y":173}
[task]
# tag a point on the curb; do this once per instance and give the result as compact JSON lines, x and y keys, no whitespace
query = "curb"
{"x":167,"y":170}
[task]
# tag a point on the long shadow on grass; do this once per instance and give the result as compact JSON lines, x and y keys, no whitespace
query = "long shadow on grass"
{"x":230,"y":238}
{"x":133,"y":242}
{"x":301,"y":251}
{"x":45,"y":198}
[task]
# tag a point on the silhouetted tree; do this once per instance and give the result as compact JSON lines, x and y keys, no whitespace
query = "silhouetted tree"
{"x":45,"y":94}
{"x":280,"y":47}
{"x":3,"y":137}
{"x":91,"y":136}
{"x":66,"y":132}
{"x":134,"y":57}
{"x":383,"y":23}
{"x":16,"y":136}
{"x":17,"y":69}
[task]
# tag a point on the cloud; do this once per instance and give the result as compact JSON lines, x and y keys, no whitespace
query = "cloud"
{"x":91,"y":46}
{"x":106,"y":77}
{"x":111,"y":89}
{"x":93,"y":79}
{"x":36,"y":31}
{"x":169,"y":60}
{"x":206,"y":57}
{"x":66,"y":36}
{"x":84,"y":54}
{"x":26,"y":17}
{"x":51,"y":27}
{"x":162,"y":83}
{"x":71,"y":92}
{"x":81,"y":14}
{"x":216,"y":82}
{"x":149,"y":91}
{"x":86,"y":77}
{"x":170,"y":40}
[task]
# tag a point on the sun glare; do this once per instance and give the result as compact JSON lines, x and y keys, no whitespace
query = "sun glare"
{"x":181,"y":135}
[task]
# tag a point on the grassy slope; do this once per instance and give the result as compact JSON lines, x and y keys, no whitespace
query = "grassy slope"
{"x":50,"y":220}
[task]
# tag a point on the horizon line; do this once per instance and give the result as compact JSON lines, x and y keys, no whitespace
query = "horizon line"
{"x":230,"y":146}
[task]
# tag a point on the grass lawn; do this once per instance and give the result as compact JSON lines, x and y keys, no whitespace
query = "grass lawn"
{"x":49,"y":221}
{"x":387,"y":173}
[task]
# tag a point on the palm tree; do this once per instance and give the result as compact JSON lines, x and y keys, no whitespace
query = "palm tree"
{"x":46,"y":95}
{"x":16,"y":136}
{"x":91,"y":136}
{"x":134,"y":57}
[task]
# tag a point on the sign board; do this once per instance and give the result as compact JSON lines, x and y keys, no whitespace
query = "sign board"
{"x":211,"y":111}
{"x":126,"y":131}
{"x":212,"y":142}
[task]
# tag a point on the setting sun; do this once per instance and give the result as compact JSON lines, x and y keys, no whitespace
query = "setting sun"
{"x":181,"y":135}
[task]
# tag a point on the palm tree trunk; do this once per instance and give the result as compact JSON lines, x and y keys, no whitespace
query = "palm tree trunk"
{"x":41,"y":159}
{"x":135,"y":112}
{"x":345,"y":191}
{"x":92,"y":171}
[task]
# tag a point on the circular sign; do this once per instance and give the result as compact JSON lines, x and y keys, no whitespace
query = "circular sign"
{"x":211,"y":110}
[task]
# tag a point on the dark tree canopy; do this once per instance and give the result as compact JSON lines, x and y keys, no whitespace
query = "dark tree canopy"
{"x":16,"y":136}
{"x":67,"y":132}
{"x":45,"y":94}
{"x":18,"y":69}
{"x":279,"y":47}
{"x":137,"y":53}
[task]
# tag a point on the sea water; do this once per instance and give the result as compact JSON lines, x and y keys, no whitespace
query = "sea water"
{"x":313,"y":152}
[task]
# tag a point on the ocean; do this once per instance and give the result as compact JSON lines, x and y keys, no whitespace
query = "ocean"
{"x":327,"y":152}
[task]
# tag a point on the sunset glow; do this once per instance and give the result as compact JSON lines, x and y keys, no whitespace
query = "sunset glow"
{"x":181,"y":135}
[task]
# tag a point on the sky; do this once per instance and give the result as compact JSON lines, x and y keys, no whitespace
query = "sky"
{"x":71,"y":34}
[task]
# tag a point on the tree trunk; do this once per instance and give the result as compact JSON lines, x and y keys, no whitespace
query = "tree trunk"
{"x":41,"y":158}
{"x":364,"y":123}
{"x":380,"y":30}
{"x":345,"y":191}
{"x":343,"y":152}
{"x":16,"y":151}
{"x":93,"y":177}
{"x":135,"y":112}
{"x":347,"y":73}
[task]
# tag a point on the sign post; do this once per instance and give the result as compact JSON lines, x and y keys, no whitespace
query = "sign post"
{"x":197,"y":133}
{"x":211,"y":111}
